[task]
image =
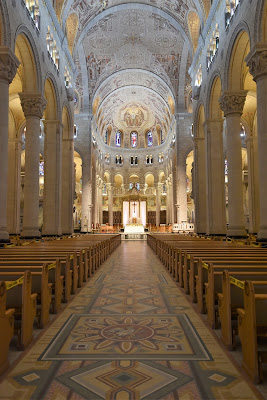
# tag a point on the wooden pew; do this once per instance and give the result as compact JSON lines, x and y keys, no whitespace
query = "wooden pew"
{"x":218,"y":256}
{"x":219,"y":266}
{"x":54,"y":276}
{"x":231,"y":298}
{"x":7,"y":327}
{"x":19,"y":296}
{"x":43,"y":288}
{"x":252,"y":329}
{"x":214,"y":284}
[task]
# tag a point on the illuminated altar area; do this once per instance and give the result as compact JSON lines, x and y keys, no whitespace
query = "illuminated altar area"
{"x":134,"y":210}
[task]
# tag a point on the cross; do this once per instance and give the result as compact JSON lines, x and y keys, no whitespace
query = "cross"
{"x":134,"y":204}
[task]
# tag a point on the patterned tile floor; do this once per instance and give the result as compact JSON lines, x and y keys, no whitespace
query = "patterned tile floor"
{"x":129,"y":334}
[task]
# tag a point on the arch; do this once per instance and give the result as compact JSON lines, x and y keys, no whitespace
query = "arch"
{"x":200,"y":119}
{"x":5,"y":25}
{"x":107,"y":177}
{"x":118,"y":180}
{"x":121,"y":7}
{"x":161,"y":176}
{"x":149,"y":179}
{"x":260,"y":27}
{"x":29,"y":69}
{"x":236,"y":68}
{"x":68,"y":130}
{"x":52,"y":111}
{"x":214,"y":93}
{"x":194,"y":26}
{"x":71,"y":30}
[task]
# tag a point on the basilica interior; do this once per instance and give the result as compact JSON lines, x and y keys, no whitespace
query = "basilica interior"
{"x":127,"y":130}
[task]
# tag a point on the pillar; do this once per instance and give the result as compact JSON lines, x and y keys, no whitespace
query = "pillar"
{"x":110,"y":205}
{"x":200,"y":185}
{"x":181,"y":192}
{"x":67,"y":186}
{"x":171,"y":218}
{"x":14,"y":185}
{"x":86,"y":225}
{"x":215,"y":181}
{"x":158,"y":201}
{"x":174,"y":195}
{"x":257,"y":63}
{"x":33,"y":106}
{"x":8,"y":68}
{"x":87,"y":184}
{"x":232,"y":104}
{"x":253,"y":183}
{"x":167,"y":202}
{"x":52,"y":178}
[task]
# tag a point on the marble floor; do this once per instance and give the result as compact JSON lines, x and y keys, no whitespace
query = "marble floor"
{"x":129,"y":334}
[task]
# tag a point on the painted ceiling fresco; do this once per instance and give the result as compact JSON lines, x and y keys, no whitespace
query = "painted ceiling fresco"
{"x":143,"y":49}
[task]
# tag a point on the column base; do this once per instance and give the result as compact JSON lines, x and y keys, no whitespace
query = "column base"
{"x":30,"y":233}
{"x":237,"y":232}
{"x":262,"y":235}
{"x":48,"y":232}
{"x":4,"y":236}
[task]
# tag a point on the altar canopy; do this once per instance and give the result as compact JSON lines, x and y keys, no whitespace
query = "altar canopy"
{"x":134,"y":212}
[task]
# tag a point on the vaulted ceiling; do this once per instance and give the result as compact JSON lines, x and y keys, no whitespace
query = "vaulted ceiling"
{"x":132,"y":53}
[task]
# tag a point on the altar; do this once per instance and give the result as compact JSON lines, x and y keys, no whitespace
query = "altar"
{"x":134,"y":228}
{"x":134,"y":210}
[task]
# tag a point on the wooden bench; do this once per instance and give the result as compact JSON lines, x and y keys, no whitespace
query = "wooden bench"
{"x":7,"y":327}
{"x":214,"y":284}
{"x":231,"y":298}
{"x":252,"y":329}
{"x":21,"y":298}
{"x":43,"y":288}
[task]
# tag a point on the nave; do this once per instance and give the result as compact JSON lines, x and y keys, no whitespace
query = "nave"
{"x":130,"y":333}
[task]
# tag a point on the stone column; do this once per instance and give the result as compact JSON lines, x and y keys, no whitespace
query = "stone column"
{"x":174,"y":195}
{"x":171,"y":201}
{"x":86,"y":226}
{"x":52,"y":178}
{"x":33,"y":106}
{"x":215,"y":184}
{"x":181,"y":192}
{"x":8,"y":68}
{"x":14,"y":185}
{"x":253,"y":184}
{"x":100,"y":199}
{"x":110,"y":205}
{"x":200,"y":185}
{"x":257,"y":62}
{"x":167,"y":202}
{"x":232,"y":104}
{"x":158,"y":201}
{"x":67,"y":187}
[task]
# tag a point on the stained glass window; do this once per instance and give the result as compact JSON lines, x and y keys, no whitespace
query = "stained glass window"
{"x":106,"y":137}
{"x":134,"y":139}
{"x":225,"y":167}
{"x":149,"y":139}
{"x":118,"y":138}
{"x":41,"y":168}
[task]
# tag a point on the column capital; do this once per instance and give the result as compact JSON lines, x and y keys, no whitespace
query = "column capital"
{"x":257,"y":61}
{"x":8,"y":64}
{"x":33,"y":104}
{"x":233,"y":102}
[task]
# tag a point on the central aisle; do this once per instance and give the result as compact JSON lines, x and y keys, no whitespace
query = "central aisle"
{"x":129,"y":334}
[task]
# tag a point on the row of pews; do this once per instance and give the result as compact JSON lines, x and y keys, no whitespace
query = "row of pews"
{"x":35,"y":280}
{"x":228,"y":281}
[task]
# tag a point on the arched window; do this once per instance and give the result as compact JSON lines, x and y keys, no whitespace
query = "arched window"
{"x":149,"y":138}
{"x":118,"y":138}
{"x":106,"y":137}
{"x":161,"y":136}
{"x":134,"y":139}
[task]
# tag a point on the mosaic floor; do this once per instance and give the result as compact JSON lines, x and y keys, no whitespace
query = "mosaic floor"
{"x":130,"y":334}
